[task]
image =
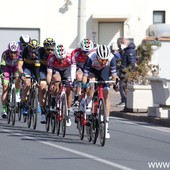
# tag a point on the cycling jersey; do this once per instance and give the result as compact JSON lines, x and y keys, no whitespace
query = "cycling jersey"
{"x":6,"y":60}
{"x":65,"y":66}
{"x":30,"y":64}
{"x":43,"y":61}
{"x":56,"y":64}
{"x":80,"y":57}
{"x":9,"y":64}
{"x":93,"y":63}
{"x":43,"y":57}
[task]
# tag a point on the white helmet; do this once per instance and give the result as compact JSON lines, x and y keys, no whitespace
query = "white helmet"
{"x":86,"y":44}
{"x":103,"y":52}
{"x":13,"y":46}
{"x":60,"y":52}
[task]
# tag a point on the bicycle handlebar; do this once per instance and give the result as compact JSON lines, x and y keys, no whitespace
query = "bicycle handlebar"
{"x":102,"y":82}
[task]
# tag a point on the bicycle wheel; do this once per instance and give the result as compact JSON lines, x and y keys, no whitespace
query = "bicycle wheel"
{"x":58,"y":115}
{"x":19,"y":112}
{"x":13,"y":106}
{"x":34,"y":107}
{"x":47,"y":111}
{"x":102,"y":122}
{"x":30,"y":111}
{"x":88,"y":129}
{"x":80,"y":126}
{"x":47,"y":124}
{"x":64,"y":114}
{"x":53,"y":122}
{"x":9,"y":106}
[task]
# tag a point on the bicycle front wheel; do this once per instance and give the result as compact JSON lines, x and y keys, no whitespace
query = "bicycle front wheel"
{"x":64,"y":114}
{"x":102,"y":122}
{"x":34,"y":106}
{"x":13,"y":106}
{"x":80,"y":125}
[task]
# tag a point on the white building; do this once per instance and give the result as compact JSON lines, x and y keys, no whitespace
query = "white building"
{"x":69,"y":21}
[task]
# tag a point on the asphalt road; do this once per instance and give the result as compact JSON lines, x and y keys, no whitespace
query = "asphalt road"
{"x":133,"y":145}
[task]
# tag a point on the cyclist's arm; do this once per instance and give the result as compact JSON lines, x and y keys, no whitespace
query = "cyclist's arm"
{"x":3,"y":63}
{"x":86,"y":70}
{"x":49,"y":75}
{"x":37,"y":70}
{"x":113,"y":69}
{"x":20,"y":65}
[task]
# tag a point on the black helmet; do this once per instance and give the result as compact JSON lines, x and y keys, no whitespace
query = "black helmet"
{"x":33,"y":45}
{"x":49,"y":43}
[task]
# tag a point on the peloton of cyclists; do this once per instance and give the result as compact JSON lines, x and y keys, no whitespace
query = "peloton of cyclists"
{"x":9,"y":62}
{"x":100,"y":64}
{"x":61,"y":66}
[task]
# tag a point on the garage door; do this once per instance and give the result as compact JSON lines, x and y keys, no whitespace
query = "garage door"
{"x":109,"y":32}
{"x":13,"y":34}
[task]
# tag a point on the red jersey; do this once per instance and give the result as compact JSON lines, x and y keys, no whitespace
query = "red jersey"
{"x":56,"y":64}
{"x":79,"y":57}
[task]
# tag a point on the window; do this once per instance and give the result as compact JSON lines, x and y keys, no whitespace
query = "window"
{"x":158,"y":17}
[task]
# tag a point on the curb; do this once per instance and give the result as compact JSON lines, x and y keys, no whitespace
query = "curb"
{"x":141,"y":117}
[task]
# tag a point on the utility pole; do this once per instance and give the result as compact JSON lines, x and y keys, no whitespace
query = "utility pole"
{"x":81,"y":20}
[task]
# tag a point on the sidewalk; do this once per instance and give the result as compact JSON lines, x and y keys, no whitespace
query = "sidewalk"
{"x":136,"y":116}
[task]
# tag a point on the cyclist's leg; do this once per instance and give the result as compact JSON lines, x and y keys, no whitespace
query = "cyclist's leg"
{"x":66,"y":75}
{"x":104,"y":75}
{"x":17,"y":85}
{"x":5,"y":82}
{"x":90,"y":91}
{"x":42,"y":95}
{"x":25,"y":88}
{"x":79,"y":76}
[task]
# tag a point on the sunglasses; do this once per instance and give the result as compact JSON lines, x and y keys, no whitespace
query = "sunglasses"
{"x":51,"y":44}
{"x":103,"y":60}
{"x":50,"y":49}
{"x":14,"y":52}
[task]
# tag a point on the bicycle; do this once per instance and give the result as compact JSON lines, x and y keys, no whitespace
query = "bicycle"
{"x":50,"y":114}
{"x":61,"y":108}
{"x":81,"y":116}
{"x":98,"y":116}
{"x":32,"y":104}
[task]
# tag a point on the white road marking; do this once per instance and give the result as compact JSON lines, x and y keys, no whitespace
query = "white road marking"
{"x":158,"y":128}
{"x":112,"y":164}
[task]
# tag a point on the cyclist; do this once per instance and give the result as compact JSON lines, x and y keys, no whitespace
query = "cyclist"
{"x":9,"y":62}
{"x":100,"y":64}
{"x":28,"y":66}
{"x":47,"y":49}
{"x":23,"y":41}
{"x":61,"y":66}
{"x":80,"y":55}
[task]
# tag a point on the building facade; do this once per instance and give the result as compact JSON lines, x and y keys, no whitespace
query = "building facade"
{"x":69,"y":21}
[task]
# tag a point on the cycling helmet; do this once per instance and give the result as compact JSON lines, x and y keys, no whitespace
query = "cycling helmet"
{"x":24,"y":39}
{"x":103,"y":52}
{"x":60,"y":52}
{"x":86,"y":44}
{"x":13,"y":46}
{"x":49,"y":43}
{"x":33,"y":45}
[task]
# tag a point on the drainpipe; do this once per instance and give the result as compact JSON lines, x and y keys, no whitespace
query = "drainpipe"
{"x":81,"y":20}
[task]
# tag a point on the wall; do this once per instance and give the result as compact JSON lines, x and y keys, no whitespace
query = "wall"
{"x":59,"y":19}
